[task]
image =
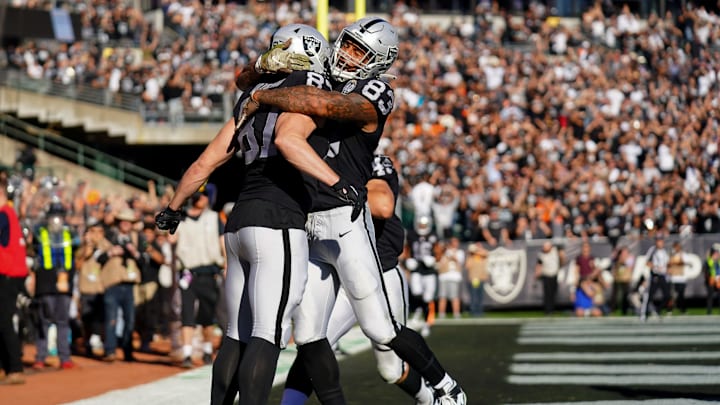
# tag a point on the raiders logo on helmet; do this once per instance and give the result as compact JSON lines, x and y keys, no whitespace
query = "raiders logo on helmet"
{"x":312,"y":45}
{"x":349,"y":86}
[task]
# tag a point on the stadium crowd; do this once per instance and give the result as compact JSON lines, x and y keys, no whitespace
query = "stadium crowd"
{"x":505,"y":127}
{"x":523,"y":127}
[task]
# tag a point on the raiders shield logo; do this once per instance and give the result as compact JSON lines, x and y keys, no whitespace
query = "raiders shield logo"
{"x":312,"y":45}
{"x":508,"y":271}
{"x":349,"y":87}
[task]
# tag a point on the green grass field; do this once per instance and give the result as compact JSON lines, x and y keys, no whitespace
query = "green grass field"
{"x":494,"y":361}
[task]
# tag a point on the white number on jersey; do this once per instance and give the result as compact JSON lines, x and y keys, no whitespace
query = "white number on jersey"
{"x":374,"y":89}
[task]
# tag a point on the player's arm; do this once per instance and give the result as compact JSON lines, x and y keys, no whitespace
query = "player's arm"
{"x":291,"y":133}
{"x":247,"y":77}
{"x":214,"y":155}
{"x":381,"y":199}
{"x":316,"y":102}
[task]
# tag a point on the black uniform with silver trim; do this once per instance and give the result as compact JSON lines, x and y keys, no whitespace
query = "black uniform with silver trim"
{"x":351,"y":150}
{"x":266,"y":246}
{"x":278,"y":194}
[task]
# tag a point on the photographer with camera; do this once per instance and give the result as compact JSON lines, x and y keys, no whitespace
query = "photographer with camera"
{"x":121,"y":266}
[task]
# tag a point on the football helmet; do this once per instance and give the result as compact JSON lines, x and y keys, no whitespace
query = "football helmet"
{"x":423,"y":225}
{"x":375,"y":37}
{"x":306,"y":40}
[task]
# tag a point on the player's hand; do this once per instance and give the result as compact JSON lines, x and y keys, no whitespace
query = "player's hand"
{"x":278,"y":60}
{"x":168,"y":220}
{"x":351,"y":195}
{"x":248,"y":108}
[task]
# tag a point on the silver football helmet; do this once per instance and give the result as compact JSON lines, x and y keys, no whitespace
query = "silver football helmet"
{"x":306,"y":40}
{"x":378,"y":40}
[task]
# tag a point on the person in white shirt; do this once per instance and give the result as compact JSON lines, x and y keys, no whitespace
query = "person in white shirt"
{"x":657,"y":260}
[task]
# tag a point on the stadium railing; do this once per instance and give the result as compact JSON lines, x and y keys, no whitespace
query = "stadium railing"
{"x":157,"y":112}
{"x":80,"y":154}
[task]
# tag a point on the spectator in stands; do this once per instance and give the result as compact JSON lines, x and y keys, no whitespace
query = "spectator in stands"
{"x":25,"y":161}
{"x":495,"y":231}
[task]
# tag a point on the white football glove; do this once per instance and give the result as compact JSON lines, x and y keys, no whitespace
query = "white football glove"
{"x":411,"y":264}
{"x":429,"y":261}
{"x":278,"y":60}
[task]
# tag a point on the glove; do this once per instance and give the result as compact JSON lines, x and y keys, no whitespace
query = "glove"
{"x":411,"y":264}
{"x":351,"y":195}
{"x":278,"y":60}
{"x":429,"y":261}
{"x":168,"y":219}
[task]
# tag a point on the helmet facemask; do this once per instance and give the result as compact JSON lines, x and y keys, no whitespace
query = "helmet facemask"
{"x":365,"y":49}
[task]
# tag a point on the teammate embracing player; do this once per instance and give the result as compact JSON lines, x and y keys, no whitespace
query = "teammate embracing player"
{"x":343,"y":249}
{"x":383,"y":189}
{"x":265,"y":233}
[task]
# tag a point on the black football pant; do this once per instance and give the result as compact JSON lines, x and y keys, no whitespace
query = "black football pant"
{"x":658,"y":282}
{"x":10,"y":351}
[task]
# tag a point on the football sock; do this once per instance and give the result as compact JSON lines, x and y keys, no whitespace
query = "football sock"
{"x":187,"y":351}
{"x":298,"y":380}
{"x":207,"y":347}
{"x":224,"y":372}
{"x":293,"y":397}
{"x":411,"y":382}
{"x":412,"y":348}
{"x":257,"y":371}
{"x":323,"y":370}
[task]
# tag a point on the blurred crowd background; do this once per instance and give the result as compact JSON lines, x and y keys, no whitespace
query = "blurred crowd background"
{"x":510,"y":124}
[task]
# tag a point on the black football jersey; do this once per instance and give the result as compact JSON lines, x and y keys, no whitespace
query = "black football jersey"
{"x":389,"y":233}
{"x":273,"y":193}
{"x":422,"y":246}
{"x":350,"y":151}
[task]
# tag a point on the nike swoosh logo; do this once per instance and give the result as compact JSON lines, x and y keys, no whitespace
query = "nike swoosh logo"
{"x":344,"y":233}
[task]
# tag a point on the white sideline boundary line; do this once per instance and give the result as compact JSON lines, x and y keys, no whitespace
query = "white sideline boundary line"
{"x":617,"y":369}
{"x":193,"y":387}
{"x":607,"y":380}
{"x":616,"y":356}
{"x":665,"y":401}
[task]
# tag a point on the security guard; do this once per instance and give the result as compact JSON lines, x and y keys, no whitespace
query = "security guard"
{"x":54,"y":270}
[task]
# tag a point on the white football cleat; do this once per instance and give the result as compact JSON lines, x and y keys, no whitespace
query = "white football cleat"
{"x":450,"y":394}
